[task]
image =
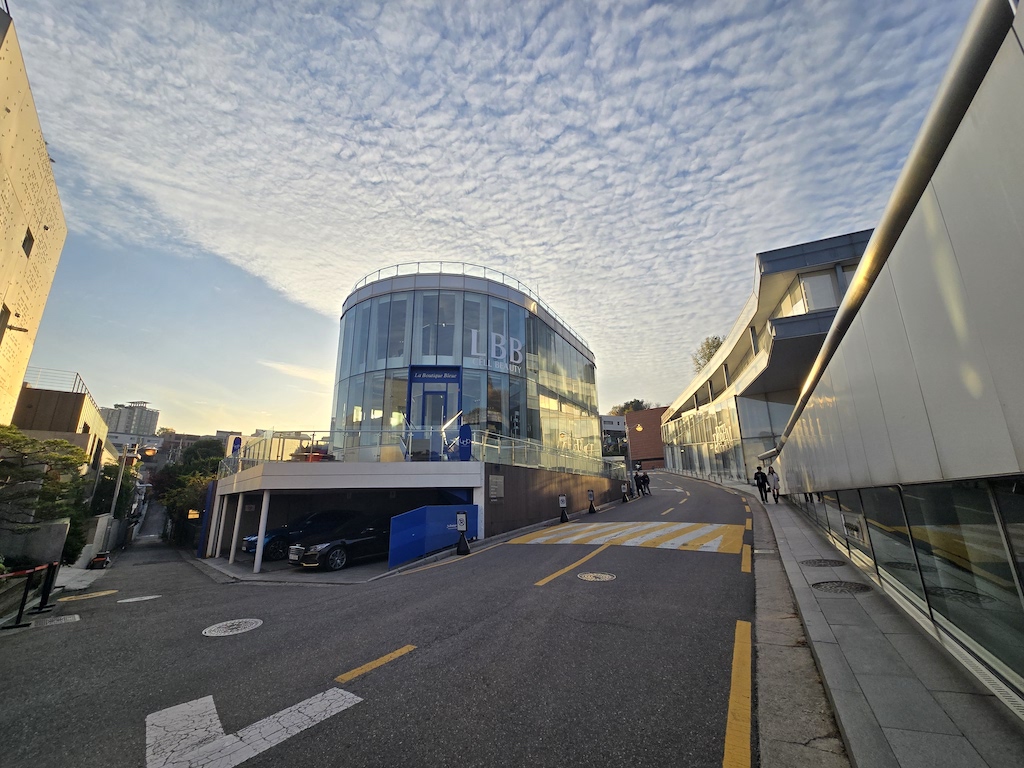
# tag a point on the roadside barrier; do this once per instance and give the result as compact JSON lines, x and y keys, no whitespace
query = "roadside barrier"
{"x":44,"y":598}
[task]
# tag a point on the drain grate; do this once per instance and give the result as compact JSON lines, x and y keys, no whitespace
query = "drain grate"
{"x":822,"y":562}
{"x":233,"y":627}
{"x":596,"y":576}
{"x":902,"y":565}
{"x":841,"y":587}
{"x":961,"y":595}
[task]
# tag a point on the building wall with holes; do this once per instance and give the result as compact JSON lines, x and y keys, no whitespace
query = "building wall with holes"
{"x":32,"y":226}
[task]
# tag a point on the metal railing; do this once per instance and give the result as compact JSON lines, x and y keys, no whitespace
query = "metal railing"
{"x":413,"y":444}
{"x":460,"y":269}
{"x":57,"y":380}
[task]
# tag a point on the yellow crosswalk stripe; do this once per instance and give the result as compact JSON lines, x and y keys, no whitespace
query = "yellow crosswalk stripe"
{"x":732,"y":540}
{"x":704,"y":537}
{"x":702,"y":540}
{"x":673,"y":534}
{"x":546,"y":533}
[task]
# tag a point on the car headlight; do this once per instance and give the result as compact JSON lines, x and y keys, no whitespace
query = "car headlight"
{"x":317,"y":548}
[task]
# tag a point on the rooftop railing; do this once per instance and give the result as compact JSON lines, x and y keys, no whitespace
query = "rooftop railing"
{"x":404,"y":445}
{"x":58,"y":381}
{"x":458,"y":268}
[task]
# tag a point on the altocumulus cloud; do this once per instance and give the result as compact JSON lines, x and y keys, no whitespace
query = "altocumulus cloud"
{"x":626,"y":159}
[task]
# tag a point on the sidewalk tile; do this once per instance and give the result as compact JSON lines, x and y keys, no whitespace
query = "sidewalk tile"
{"x":834,"y":667}
{"x":846,"y":612}
{"x":932,"y":665}
{"x":990,"y":727}
{"x":932,"y":750}
{"x":903,"y":703}
{"x":868,"y":652}
{"x":863,"y":736}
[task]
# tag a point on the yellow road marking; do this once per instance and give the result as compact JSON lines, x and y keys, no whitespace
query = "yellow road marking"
{"x":746,"y":507}
{"x":605,"y":531}
{"x":750,"y":524}
{"x":578,"y":563}
{"x":667,"y":511}
{"x":732,"y":540}
{"x":745,"y":561}
{"x":737,"y":728}
{"x":374,"y":664}
{"x":451,"y":560}
{"x":702,"y":540}
{"x":104,"y":593}
{"x":672,"y":535}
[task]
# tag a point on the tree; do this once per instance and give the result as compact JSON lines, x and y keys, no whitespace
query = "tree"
{"x":630,"y":406}
{"x":165,"y":432}
{"x":42,"y":480}
{"x":181,"y":487}
{"x":705,"y":352}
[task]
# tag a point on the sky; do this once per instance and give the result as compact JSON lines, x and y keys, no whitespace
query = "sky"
{"x":228,"y":171}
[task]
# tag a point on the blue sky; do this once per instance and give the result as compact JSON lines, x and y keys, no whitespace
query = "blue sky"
{"x":228,"y":170}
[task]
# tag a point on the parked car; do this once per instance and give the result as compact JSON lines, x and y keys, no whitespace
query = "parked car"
{"x":277,"y":540}
{"x":361,"y":537}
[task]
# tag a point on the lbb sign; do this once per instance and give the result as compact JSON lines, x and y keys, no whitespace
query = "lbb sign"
{"x":504,"y":353}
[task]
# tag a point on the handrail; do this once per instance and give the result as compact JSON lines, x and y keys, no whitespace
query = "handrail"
{"x":986,"y":30}
{"x":464,"y":269}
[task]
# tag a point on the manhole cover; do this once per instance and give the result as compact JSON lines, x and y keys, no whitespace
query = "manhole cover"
{"x":823,"y":562}
{"x":139,"y":599}
{"x":902,"y":565}
{"x":960,"y":595}
{"x":233,"y":627}
{"x":596,"y":576}
{"x":52,"y":620}
{"x":841,"y":587}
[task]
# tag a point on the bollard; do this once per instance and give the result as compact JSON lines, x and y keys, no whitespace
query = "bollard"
{"x":461,"y":525}
{"x":48,"y":581}
{"x":18,"y":623}
{"x":563,"y":502}
{"x":590,"y":498}
{"x":624,"y":489}
{"x":462,"y":548}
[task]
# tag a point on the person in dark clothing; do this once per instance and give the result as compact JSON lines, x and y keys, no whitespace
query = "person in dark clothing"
{"x":647,"y":483}
{"x":639,"y":484}
{"x":762,"y":484}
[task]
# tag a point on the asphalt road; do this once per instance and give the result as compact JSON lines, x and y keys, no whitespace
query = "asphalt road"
{"x":510,"y":667}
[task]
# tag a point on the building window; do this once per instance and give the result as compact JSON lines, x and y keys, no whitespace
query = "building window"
{"x":26,"y":244}
{"x":819,"y":290}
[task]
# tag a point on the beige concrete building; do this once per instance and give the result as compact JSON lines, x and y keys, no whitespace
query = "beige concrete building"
{"x":32,"y":226}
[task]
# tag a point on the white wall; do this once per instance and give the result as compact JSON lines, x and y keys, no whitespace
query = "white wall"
{"x":928,"y":382}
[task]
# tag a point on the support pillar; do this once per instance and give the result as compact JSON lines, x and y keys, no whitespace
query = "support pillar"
{"x":234,"y":536}
{"x":222,"y":526}
{"x":264,"y":512}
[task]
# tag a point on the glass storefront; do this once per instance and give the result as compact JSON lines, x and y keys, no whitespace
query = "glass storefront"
{"x":433,"y":360}
{"x":952,"y":549}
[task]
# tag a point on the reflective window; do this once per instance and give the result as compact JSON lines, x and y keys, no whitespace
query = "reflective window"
{"x":497,"y":403}
{"x":965,"y":566}
{"x":380,"y":318}
{"x":819,"y":290}
{"x":1010,"y":497}
{"x":753,"y":413}
{"x":396,"y":392}
{"x":890,"y":538}
{"x":360,"y":333}
{"x":424,"y":329}
{"x":474,"y":397}
{"x":834,"y":514}
{"x":474,"y":331}
{"x":399,"y":330}
{"x":449,"y":318}
{"x":855,"y":527}
{"x":373,"y":400}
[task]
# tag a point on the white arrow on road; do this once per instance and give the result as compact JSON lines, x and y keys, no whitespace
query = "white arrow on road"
{"x":190,"y":735}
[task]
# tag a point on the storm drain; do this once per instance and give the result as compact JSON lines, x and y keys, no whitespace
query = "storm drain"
{"x":823,"y":563}
{"x":233,"y":627}
{"x":841,"y":587}
{"x":596,"y":576}
{"x":960,"y":595}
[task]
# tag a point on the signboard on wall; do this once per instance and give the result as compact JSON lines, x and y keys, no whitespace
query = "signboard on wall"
{"x":497,"y":487}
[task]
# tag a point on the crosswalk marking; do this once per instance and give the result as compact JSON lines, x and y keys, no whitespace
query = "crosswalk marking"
{"x":699,"y":537}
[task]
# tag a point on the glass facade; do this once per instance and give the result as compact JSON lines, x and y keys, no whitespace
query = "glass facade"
{"x":425,"y":359}
{"x":952,"y":549}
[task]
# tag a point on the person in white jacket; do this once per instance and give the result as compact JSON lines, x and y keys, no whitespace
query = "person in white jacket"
{"x":773,"y":483}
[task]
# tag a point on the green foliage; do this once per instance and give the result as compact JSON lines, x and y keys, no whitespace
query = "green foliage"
{"x":631,"y":406}
{"x":105,"y":490}
{"x":707,"y":349}
{"x":181,"y":487}
{"x":42,"y":480}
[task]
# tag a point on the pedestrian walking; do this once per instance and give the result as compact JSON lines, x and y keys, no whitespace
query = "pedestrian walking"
{"x":639,"y":484}
{"x":647,"y":483}
{"x":762,"y":484}
{"x":773,"y":483}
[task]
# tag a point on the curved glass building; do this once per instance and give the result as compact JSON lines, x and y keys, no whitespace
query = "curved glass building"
{"x":429,"y":347}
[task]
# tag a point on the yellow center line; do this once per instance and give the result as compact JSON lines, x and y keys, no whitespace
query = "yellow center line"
{"x":374,"y":664}
{"x":581,"y":561}
{"x":745,"y":559}
{"x":746,"y":507}
{"x":451,"y":560}
{"x":743,"y":499}
{"x":737,"y":728}
{"x":86,"y":597}
{"x":750,"y":524}
{"x":667,"y":511}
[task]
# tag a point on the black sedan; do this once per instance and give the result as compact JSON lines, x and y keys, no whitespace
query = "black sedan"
{"x":355,"y":539}
{"x":277,"y":540}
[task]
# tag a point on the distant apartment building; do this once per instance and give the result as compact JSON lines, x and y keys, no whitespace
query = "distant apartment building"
{"x":135,"y":418}
{"x":32,"y":226}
